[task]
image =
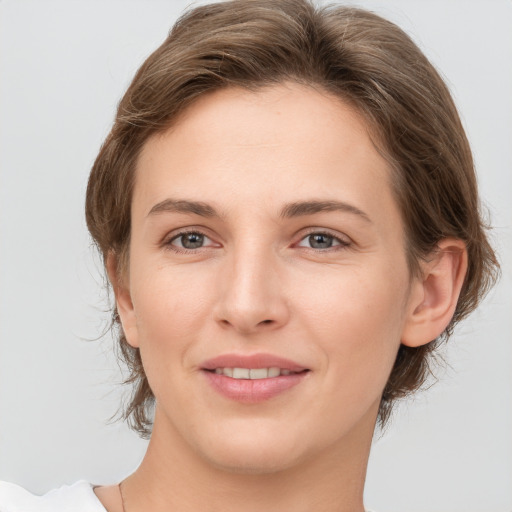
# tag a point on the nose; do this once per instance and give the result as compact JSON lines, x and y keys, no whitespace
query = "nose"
{"x":251,"y":298}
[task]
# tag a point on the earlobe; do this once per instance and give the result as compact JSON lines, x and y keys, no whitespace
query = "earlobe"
{"x":434,"y":295}
{"x":124,"y":302}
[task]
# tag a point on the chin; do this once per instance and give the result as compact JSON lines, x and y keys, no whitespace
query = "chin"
{"x":255,"y":452}
{"x":252,"y":461}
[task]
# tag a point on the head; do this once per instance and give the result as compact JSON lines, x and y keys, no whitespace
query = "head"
{"x":376,"y":74}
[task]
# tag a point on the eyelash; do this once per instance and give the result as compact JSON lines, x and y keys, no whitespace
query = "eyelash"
{"x":341,"y":243}
{"x":168,"y":244}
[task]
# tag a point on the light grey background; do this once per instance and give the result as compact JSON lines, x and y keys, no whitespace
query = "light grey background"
{"x":63,"y":67}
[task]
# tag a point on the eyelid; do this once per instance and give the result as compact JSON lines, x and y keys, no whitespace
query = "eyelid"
{"x":344,"y":240}
{"x":176,"y":234}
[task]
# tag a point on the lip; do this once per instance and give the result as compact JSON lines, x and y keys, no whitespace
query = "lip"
{"x":251,"y":361}
{"x":249,"y":391}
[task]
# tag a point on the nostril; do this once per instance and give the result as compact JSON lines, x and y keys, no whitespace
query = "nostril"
{"x":266,"y":322}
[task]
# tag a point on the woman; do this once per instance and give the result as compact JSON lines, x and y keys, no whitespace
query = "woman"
{"x":281,"y":277}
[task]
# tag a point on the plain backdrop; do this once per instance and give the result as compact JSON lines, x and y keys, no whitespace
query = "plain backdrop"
{"x":63,"y":67}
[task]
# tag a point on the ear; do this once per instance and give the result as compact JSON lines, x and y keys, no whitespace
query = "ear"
{"x":434,"y":295}
{"x":124,"y":302}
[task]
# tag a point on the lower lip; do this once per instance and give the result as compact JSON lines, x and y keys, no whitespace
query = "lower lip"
{"x":251,"y":391}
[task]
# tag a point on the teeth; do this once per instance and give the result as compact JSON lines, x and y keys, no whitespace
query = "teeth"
{"x":252,"y":373}
{"x":258,"y":373}
{"x":241,"y":373}
{"x":274,"y":372}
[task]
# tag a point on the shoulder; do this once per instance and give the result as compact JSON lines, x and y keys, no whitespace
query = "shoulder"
{"x":78,"y":497}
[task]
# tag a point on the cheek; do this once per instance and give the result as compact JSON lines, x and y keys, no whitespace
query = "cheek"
{"x":170,"y":311}
{"x":358,"y":325}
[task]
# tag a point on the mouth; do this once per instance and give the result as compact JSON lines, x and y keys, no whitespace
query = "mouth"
{"x":254,"y":378}
{"x":254,"y":373}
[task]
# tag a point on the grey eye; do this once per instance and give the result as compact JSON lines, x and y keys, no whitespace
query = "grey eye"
{"x":320,"y":241}
{"x":190,"y":240}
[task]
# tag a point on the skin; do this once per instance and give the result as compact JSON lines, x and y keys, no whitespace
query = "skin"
{"x":257,"y":285}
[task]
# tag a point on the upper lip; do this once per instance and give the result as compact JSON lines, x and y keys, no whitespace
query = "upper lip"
{"x":251,"y":361}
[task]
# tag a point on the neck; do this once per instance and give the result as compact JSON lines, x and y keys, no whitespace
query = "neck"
{"x":173,"y":476}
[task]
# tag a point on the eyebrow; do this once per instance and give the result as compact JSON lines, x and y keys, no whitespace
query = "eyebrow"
{"x":296,"y":209}
{"x":302,"y":208}
{"x":183,"y":206}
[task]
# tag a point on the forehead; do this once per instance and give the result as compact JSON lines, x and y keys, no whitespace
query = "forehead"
{"x":239,"y":147}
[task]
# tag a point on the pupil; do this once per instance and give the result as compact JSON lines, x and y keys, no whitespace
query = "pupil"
{"x":192,"y":240}
{"x":320,"y":241}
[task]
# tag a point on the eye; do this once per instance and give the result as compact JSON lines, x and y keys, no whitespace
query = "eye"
{"x":319,"y":240}
{"x":190,"y":240}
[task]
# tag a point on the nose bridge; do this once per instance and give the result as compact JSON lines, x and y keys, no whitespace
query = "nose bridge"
{"x":251,"y":297}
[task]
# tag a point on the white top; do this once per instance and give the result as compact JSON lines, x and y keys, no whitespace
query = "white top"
{"x":78,"y":497}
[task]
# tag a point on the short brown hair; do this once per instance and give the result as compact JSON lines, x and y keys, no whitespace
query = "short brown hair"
{"x":354,"y":55}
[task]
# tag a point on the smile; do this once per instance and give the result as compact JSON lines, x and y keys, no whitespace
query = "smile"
{"x":253,"y":373}
{"x":254,"y":378}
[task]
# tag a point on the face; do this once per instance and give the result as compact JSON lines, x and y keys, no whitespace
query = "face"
{"x":265,"y":237}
